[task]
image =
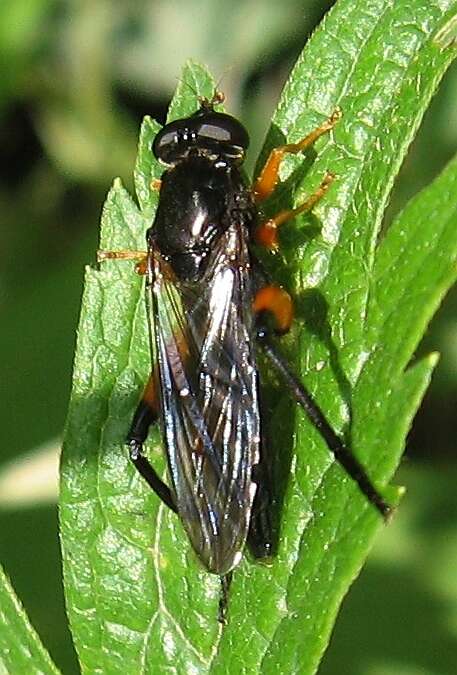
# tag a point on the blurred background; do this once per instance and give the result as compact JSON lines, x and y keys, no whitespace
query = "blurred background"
{"x":77,"y":78}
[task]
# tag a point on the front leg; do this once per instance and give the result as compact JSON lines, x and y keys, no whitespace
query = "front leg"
{"x":266,"y":234}
{"x":268,"y":179}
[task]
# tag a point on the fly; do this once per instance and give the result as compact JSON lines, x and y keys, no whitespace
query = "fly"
{"x":208,"y":302}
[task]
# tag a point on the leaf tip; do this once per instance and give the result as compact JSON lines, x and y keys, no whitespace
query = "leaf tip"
{"x":432,"y":359}
{"x":401,"y":491}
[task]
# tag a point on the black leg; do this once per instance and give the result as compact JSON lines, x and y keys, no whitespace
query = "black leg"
{"x":144,"y":417}
{"x":342,"y":454}
{"x":226,"y":580}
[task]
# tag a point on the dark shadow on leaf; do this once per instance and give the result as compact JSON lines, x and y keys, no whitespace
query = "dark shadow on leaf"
{"x":295,"y":237}
{"x":277,"y":426}
{"x":312,"y":310}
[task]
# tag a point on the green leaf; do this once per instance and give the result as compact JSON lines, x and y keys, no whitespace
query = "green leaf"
{"x":138,"y":600}
{"x":21,"y":650}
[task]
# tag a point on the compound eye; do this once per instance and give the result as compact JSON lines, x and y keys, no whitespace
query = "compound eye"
{"x":173,"y":140}
{"x":222,"y":128}
{"x":205,"y":131}
{"x":163,"y":142}
{"x":215,"y":132}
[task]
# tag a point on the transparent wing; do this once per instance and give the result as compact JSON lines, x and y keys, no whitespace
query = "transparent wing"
{"x":205,"y":348}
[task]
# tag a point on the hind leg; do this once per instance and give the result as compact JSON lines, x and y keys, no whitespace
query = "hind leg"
{"x":146,"y":414}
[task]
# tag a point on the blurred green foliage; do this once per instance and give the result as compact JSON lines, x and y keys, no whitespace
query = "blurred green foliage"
{"x":77,"y":78}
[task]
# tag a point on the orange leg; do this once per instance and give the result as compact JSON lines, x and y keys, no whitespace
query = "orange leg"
{"x":140,"y":256}
{"x":278,"y":302}
{"x":266,"y":233}
{"x":269,"y":176}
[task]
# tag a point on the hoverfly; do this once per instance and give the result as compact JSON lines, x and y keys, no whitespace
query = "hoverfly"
{"x":208,"y":300}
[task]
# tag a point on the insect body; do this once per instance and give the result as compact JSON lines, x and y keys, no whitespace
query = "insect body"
{"x":207,"y":298}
